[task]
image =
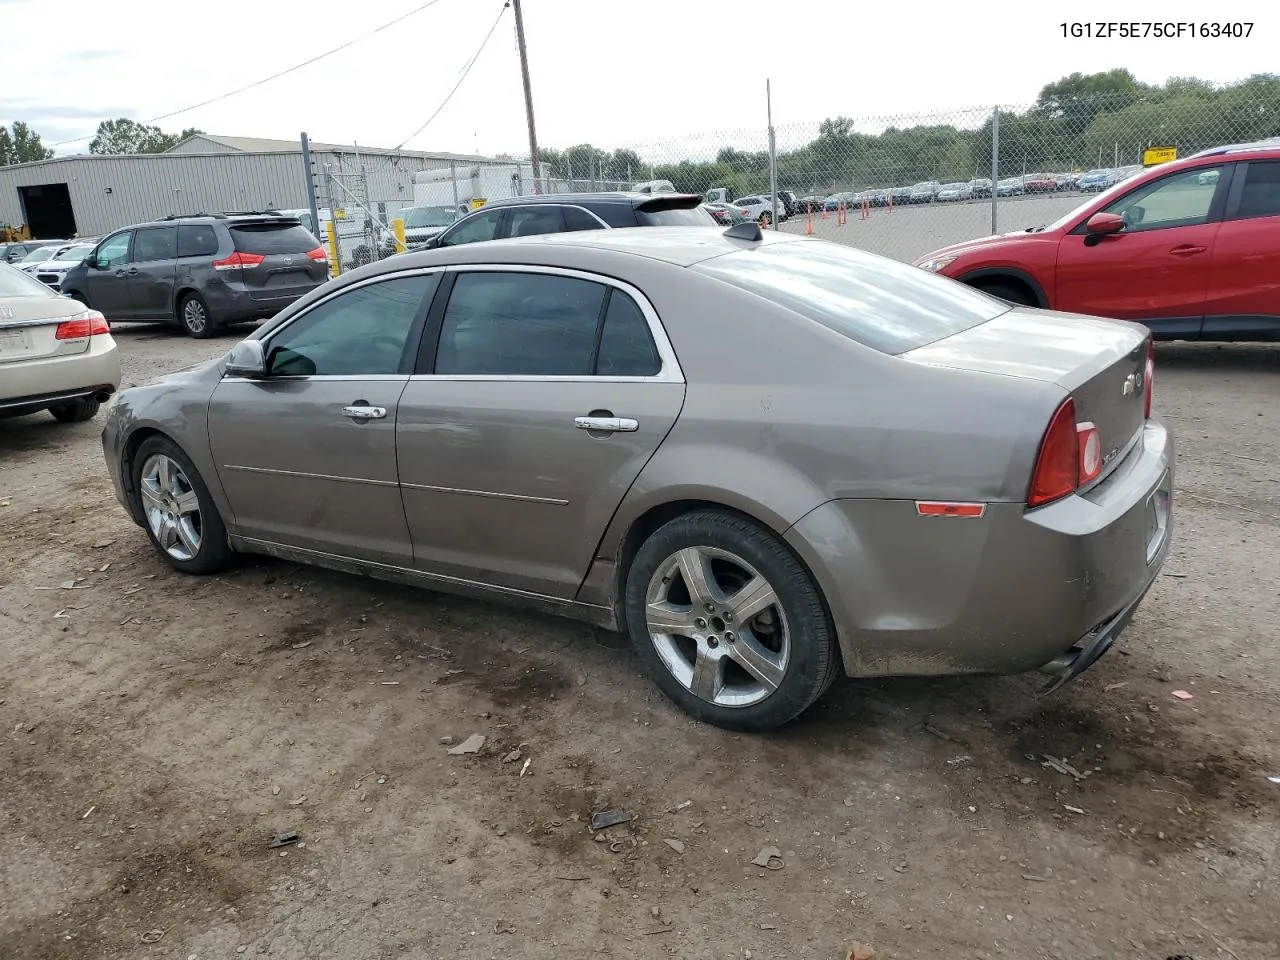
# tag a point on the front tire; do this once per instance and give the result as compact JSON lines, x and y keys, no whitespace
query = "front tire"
{"x":76,"y":411}
{"x":729,"y":623}
{"x":193,"y":314}
{"x":178,"y":513}
{"x":1007,"y":293}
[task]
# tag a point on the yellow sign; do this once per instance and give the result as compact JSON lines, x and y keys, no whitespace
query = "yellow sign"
{"x":1156,"y":155}
{"x":477,"y":203}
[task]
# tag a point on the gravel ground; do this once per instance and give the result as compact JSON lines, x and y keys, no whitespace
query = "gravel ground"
{"x":156,"y":730}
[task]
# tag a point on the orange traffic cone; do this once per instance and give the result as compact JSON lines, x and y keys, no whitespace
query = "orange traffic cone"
{"x":808,"y":223}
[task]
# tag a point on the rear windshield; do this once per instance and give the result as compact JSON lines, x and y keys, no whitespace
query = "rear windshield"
{"x":428,"y":217}
{"x":15,"y":283}
{"x":880,"y":303}
{"x":693,"y":217}
{"x":269,"y":238}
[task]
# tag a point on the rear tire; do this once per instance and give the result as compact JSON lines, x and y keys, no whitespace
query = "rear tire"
{"x":1007,"y":293}
{"x":754,"y":675}
{"x":193,"y":314}
{"x":76,"y":411}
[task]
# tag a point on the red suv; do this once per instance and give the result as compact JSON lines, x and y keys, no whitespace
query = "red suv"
{"x":1191,"y":249}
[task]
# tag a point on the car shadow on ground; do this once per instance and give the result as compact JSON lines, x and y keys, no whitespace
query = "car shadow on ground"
{"x":1185,"y":355}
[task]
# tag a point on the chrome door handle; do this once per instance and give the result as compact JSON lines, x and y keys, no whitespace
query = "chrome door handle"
{"x":607,"y":424}
{"x":363,"y":412}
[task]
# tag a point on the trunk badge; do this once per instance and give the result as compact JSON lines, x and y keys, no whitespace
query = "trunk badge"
{"x":1132,"y":384}
{"x":6,"y":313}
{"x":288,"y":260}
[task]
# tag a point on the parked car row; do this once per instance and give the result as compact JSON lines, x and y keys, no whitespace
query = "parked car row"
{"x":931,"y":191}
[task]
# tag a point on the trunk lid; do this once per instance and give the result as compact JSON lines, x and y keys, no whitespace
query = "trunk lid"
{"x":285,"y":270}
{"x":1101,"y":363}
{"x":29,"y":326}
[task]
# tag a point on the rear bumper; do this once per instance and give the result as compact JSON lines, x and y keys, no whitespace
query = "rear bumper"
{"x":1011,"y":591}
{"x":36,"y":384}
{"x":230,"y":303}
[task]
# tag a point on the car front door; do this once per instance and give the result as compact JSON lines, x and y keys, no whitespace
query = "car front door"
{"x":1244,"y":282}
{"x":151,"y":271}
{"x":547,"y":393}
{"x":307,"y":454}
{"x":1156,"y":270}
{"x":108,"y":277}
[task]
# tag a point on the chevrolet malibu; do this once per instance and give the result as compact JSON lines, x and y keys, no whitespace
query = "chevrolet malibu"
{"x":768,"y":459}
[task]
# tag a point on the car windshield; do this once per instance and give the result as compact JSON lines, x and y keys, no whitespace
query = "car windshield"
{"x":74,"y":254}
{"x":38,"y":254}
{"x":417,"y":217}
{"x":883,"y":304}
{"x":15,"y":283}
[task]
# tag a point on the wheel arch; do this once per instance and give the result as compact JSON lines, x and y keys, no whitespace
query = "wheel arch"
{"x":1009,"y":276}
{"x":128,"y":456}
{"x":180,"y":294}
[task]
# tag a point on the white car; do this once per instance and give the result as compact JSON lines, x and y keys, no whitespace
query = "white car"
{"x":955,"y":191}
{"x":39,"y":255}
{"x":53,"y":271}
{"x":55,"y":354}
{"x":759,"y":208}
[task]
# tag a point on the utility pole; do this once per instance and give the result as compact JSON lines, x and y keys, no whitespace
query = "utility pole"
{"x":528,"y":90}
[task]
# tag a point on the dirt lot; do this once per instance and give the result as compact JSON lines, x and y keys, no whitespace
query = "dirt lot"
{"x":156,"y":730}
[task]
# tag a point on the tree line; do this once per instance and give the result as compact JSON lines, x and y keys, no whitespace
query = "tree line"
{"x":1079,"y":122}
{"x":20,"y":144}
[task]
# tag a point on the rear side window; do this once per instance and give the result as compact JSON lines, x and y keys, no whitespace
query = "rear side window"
{"x":880,"y":303}
{"x":272,"y":238}
{"x":694,"y":217}
{"x":1261,"y":194}
{"x":535,"y":219}
{"x":519,"y":324}
{"x":626,"y":348}
{"x":197,"y":240}
{"x":154,"y":243}
{"x":576,"y":218}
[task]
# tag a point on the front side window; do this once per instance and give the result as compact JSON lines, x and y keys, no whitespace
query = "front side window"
{"x":114,"y":250}
{"x":519,"y":324}
{"x":535,"y":219}
{"x":1181,"y":200}
{"x":155,"y":243}
{"x":360,"y":332}
{"x":480,"y":227}
{"x":1261,"y":194}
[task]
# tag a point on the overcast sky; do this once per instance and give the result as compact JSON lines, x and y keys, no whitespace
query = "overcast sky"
{"x":610,"y":72}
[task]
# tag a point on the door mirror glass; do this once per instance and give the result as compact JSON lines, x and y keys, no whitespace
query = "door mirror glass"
{"x":247,"y":360}
{"x":1104,"y":224}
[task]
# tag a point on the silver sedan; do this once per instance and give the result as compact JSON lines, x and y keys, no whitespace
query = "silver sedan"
{"x":766,"y":458}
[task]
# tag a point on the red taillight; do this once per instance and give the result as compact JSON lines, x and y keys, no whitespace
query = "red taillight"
{"x":239,"y":259}
{"x":1090,"y":451}
{"x":318,"y":254}
{"x":1057,"y":470}
{"x":1149,"y":376}
{"x":89,"y":324}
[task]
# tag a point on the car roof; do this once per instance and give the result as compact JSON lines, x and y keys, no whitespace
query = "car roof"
{"x":1269,"y":146}
{"x":628,"y":197}
{"x":679,"y":246}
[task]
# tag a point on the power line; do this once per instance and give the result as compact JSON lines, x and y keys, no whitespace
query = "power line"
{"x":465,"y":70}
{"x":275,"y":76}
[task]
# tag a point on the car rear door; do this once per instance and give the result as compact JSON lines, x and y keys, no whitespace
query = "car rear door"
{"x":307,"y":454}
{"x":278,"y":258}
{"x":1156,"y":270}
{"x":1244,"y":281}
{"x":151,"y":272}
{"x":534,"y":219}
{"x":546,"y":393}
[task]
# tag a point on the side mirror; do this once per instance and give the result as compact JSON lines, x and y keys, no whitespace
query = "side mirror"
{"x":247,"y":359}
{"x":1104,"y":224}
{"x":432,"y":243}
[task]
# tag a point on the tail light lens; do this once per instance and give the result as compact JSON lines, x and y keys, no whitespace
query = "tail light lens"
{"x":318,"y":254}
{"x":88,"y":324}
{"x":1149,"y":376}
{"x":239,"y":259}
{"x":1057,"y":469}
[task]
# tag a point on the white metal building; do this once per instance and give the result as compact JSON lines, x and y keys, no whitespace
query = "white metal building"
{"x":88,"y":195}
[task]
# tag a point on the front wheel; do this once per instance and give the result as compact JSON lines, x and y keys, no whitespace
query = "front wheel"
{"x":181,"y":519}
{"x":729,"y":623}
{"x":193,"y":313}
{"x":1007,"y":293}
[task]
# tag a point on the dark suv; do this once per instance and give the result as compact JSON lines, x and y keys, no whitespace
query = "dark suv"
{"x":566,"y":212}
{"x":203,"y":271}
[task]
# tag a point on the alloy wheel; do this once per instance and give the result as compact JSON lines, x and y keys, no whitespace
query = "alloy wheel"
{"x":194,"y":316}
{"x":718,"y":626}
{"x":171,"y":506}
